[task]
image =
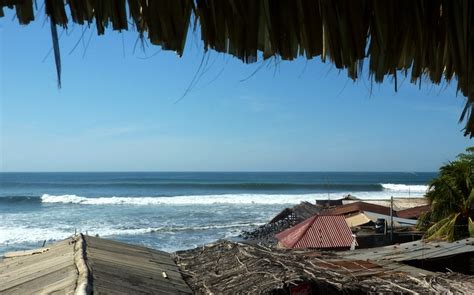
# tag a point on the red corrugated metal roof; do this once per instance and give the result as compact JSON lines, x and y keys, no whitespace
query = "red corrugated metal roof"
{"x":319,"y":231}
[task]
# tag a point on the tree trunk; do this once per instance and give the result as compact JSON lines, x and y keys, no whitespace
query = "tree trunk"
{"x":461,"y":227}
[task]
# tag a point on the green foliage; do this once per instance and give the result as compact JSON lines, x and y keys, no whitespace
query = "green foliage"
{"x":469,"y":156}
{"x":451,"y":196}
{"x":471,"y":227}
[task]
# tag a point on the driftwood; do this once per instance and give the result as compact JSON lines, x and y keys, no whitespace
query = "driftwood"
{"x":233,"y":268}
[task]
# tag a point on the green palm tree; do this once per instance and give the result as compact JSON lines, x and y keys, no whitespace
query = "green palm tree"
{"x":451,"y":196}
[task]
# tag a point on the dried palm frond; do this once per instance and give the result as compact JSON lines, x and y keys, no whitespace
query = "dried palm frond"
{"x":429,"y":39}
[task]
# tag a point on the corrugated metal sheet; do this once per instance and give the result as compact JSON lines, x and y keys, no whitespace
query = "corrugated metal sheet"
{"x":397,"y":221}
{"x":414,"y":251}
{"x":358,"y":220}
{"x":320,"y":232}
{"x":413,"y":213}
{"x":366,"y":217}
{"x":400,"y":203}
{"x":358,"y":207}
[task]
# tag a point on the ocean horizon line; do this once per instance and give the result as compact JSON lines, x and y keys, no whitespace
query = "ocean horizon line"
{"x":219,"y":171}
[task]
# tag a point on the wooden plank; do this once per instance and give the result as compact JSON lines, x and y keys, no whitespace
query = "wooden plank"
{"x":135,"y":278}
{"x":47,"y":281}
{"x":17,"y":278}
{"x":111,"y":270}
{"x":29,"y":272}
{"x":108,"y":282}
{"x":60,"y":247}
{"x":24,"y":253}
{"x":141,"y":261}
{"x":144,"y":266}
{"x":28,"y":267}
{"x":121,"y":268}
{"x":115,"y":267}
{"x":64,"y":286}
{"x":94,"y":242}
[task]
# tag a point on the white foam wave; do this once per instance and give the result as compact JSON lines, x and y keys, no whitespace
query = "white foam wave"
{"x":405,"y":188}
{"x":236,"y":199}
{"x":18,"y":235}
{"x":181,"y":200}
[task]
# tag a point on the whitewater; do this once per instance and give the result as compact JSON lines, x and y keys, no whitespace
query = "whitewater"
{"x":171,"y":211}
{"x":395,"y":190}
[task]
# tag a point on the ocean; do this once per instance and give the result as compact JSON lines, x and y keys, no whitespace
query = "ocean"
{"x":171,"y":210}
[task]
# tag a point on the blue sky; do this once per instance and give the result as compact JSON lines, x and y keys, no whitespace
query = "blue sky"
{"x":120,"y":110}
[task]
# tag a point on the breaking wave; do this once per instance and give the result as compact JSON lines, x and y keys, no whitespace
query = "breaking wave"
{"x":389,"y":189}
{"x":405,"y":188}
{"x":181,"y":200}
{"x":236,"y":199}
{"x":228,"y":199}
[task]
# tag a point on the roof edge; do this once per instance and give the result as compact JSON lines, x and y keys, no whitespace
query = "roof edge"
{"x":83,"y":283}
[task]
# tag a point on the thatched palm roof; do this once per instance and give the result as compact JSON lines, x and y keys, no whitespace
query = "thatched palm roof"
{"x":419,"y":38}
{"x":232,"y":268}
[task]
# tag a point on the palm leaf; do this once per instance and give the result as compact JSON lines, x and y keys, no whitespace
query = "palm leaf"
{"x":443,"y":229}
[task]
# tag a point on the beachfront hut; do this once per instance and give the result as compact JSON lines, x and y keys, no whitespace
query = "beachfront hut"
{"x":319,"y":232}
{"x":419,"y":39}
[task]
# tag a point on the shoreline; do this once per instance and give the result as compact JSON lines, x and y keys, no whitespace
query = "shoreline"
{"x":400,"y":203}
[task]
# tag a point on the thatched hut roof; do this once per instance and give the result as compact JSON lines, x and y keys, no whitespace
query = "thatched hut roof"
{"x":298,"y":213}
{"x":418,"y":38}
{"x":231,"y":268}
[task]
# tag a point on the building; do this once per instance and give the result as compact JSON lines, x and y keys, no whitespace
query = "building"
{"x":319,"y":232}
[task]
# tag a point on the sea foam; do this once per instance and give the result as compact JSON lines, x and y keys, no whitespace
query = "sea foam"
{"x":181,"y":200}
{"x":237,"y":199}
{"x":405,"y":188}
{"x":9,"y":235}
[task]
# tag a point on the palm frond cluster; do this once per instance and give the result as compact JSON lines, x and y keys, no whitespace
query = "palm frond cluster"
{"x":451,"y":196}
{"x":429,"y":39}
